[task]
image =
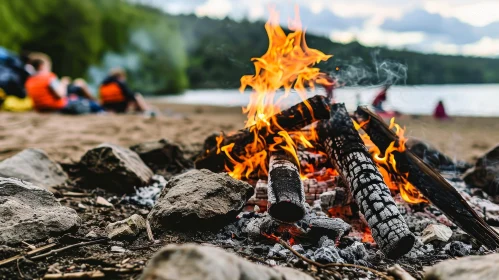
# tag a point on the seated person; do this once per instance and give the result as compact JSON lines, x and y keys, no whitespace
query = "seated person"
{"x":49,"y":94}
{"x":117,"y":97}
{"x":440,"y":112}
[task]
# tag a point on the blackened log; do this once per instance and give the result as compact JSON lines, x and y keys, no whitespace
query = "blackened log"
{"x":348,"y":153}
{"x":292,"y":119}
{"x":429,"y":182}
{"x":286,"y":197}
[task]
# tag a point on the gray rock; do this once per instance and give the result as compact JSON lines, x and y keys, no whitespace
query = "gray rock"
{"x":436,"y":232}
{"x":34,"y":166}
{"x":485,"y":173}
{"x":115,"y":168}
{"x":429,"y":154}
{"x":457,"y":249}
{"x":127,"y":228}
{"x":162,"y":156}
{"x":117,"y":249}
{"x":354,"y":252}
{"x":328,"y":255}
{"x":467,"y":268}
{"x":28,"y":212}
{"x":192,"y":262}
{"x":199,"y":198}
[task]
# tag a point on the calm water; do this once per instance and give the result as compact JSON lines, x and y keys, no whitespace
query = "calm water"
{"x":459,"y":100}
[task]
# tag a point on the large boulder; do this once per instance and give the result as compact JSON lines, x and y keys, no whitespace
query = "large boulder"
{"x":193,"y":262}
{"x":163,"y":157}
{"x":485,"y":173}
{"x":28,"y":212}
{"x":115,"y":168}
{"x":34,"y":166}
{"x":199,"y":198}
{"x":467,"y":268}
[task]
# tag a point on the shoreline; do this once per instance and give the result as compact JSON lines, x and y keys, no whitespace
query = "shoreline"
{"x":66,"y":138}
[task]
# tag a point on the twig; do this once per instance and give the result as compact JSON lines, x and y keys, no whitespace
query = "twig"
{"x":35,"y":251}
{"x":76,"y":275}
{"x":329,"y":265}
{"x":81,"y":244}
{"x":149,"y":231}
{"x":19,"y":270}
{"x":76,"y":194}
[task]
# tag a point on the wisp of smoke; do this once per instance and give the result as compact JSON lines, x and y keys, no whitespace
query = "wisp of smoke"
{"x":356,"y":72}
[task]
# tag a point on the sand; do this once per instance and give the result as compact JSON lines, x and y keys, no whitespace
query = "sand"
{"x":66,"y":138}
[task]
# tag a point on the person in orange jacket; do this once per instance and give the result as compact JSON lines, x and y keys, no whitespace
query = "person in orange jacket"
{"x":116,"y":96}
{"x":51,"y":94}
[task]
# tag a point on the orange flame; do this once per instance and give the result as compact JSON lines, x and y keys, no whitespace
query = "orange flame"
{"x":287,"y":64}
{"x":387,"y":164}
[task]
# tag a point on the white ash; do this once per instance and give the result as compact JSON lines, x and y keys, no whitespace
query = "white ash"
{"x":147,"y":196}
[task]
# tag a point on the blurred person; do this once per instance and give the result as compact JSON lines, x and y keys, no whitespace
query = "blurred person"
{"x":440,"y":112}
{"x":13,"y":75}
{"x":51,"y":94}
{"x":329,"y":84}
{"x":116,"y":96}
{"x":380,"y":99}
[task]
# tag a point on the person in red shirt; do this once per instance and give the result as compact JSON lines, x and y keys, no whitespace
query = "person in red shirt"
{"x":50,"y":94}
{"x":380,"y":98}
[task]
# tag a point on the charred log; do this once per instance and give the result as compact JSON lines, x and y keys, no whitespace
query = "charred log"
{"x":286,"y":197}
{"x":348,"y":153}
{"x":429,"y":182}
{"x":292,"y":119}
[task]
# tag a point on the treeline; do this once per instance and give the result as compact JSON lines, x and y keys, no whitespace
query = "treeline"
{"x":220,"y":51}
{"x":79,"y":34}
{"x":166,"y":54}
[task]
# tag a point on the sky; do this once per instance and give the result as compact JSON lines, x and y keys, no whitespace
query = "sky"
{"x":456,"y":27}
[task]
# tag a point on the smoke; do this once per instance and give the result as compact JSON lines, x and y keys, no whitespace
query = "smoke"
{"x":357,"y":72}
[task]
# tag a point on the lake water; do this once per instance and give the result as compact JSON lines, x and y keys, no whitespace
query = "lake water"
{"x":459,"y":100}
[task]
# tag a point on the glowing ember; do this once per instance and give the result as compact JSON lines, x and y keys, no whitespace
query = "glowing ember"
{"x":387,"y":164}
{"x":287,"y":65}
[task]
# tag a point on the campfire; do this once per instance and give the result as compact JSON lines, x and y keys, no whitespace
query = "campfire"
{"x":355,"y":164}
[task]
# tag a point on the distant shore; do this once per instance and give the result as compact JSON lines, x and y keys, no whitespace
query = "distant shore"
{"x":66,"y":138}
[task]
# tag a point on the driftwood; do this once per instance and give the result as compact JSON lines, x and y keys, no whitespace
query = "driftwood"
{"x":292,"y":119}
{"x":347,"y":152}
{"x":286,"y":197}
{"x":429,"y":182}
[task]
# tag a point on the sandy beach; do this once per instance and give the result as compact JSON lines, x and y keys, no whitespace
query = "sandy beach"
{"x":66,"y":138}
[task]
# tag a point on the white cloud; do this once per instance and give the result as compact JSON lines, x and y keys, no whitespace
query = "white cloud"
{"x":485,"y":47}
{"x":374,"y":36}
{"x":474,"y":12}
{"x":214,"y":8}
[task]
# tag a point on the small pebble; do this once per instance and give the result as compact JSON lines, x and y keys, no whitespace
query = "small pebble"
{"x":103,"y":202}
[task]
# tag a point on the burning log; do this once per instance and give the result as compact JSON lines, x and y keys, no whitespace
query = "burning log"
{"x":429,"y":182}
{"x":286,"y":197}
{"x":292,"y":119}
{"x":347,"y":152}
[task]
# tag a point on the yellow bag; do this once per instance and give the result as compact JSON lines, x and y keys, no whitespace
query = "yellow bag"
{"x":16,"y":104}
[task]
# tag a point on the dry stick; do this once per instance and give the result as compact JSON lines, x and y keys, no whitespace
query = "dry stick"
{"x":292,"y":119}
{"x":81,"y":244}
{"x":347,"y":152}
{"x":286,"y":197}
{"x":35,"y":251}
{"x":329,"y":265}
{"x":429,"y":182}
{"x":149,"y":231}
{"x":76,"y":275}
